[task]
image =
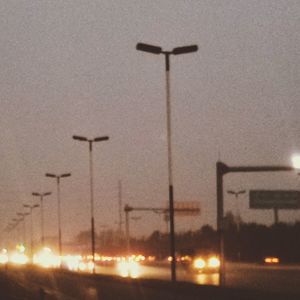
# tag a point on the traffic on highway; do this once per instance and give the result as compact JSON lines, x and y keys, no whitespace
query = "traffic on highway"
{"x":202,"y":270}
{"x":149,"y":140}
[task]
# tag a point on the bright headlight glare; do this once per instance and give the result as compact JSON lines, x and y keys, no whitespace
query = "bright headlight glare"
{"x":214,"y":262}
{"x":199,"y":263}
{"x":128,"y":268}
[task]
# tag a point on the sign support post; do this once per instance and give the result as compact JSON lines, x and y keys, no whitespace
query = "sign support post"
{"x":223,"y":169}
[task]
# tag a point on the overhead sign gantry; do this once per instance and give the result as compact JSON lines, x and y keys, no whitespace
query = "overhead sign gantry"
{"x":223,"y":169}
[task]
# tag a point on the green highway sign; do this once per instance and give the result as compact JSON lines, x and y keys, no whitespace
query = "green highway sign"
{"x":270,"y":199}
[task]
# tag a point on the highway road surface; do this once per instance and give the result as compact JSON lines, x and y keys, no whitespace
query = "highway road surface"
{"x":259,"y":282}
{"x":279,"y":278}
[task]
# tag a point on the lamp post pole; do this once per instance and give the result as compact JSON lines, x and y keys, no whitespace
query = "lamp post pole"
{"x":31,"y":207}
{"x":58,"y":177}
{"x":18,"y":231}
{"x":176,"y":51}
{"x":23,"y":215}
{"x":16,"y":223}
{"x":42,"y":195}
{"x":236,"y":194}
{"x":90,"y":141}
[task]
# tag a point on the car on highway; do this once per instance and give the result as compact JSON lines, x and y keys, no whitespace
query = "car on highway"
{"x":271,"y":260}
{"x":209,"y":263}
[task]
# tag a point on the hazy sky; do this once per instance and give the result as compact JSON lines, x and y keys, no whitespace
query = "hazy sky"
{"x":71,"y":67}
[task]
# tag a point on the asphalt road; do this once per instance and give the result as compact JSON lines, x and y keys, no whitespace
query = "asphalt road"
{"x":25,"y":282}
{"x":279,"y":278}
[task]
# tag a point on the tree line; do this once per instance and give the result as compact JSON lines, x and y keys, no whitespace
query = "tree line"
{"x":249,"y":242}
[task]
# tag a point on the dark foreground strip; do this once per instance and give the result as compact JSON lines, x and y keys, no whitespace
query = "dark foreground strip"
{"x":58,"y":284}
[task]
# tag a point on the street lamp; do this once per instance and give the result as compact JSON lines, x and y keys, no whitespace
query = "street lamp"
{"x":58,"y":205}
{"x":176,"y":51}
{"x":17,"y":231}
{"x":90,"y":141}
{"x":31,"y":208}
{"x":42,"y":195}
{"x":23,"y":215}
{"x":236,"y":194}
{"x":296,"y":161}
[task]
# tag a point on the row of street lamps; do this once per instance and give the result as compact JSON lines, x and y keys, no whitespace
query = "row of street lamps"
{"x":58,"y":177}
{"x":42,"y":195}
{"x":153,"y":50}
{"x":31,"y":208}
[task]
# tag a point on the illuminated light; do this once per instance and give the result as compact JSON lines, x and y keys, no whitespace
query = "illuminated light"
{"x":213,"y":262}
{"x":185,"y":258}
{"x":199,"y":263}
{"x":82,"y":266}
{"x":271,"y":260}
{"x":133,"y":269}
{"x":296,"y":161}
{"x":128,"y":269}
{"x":170,"y":258}
{"x":18,"y":258}
{"x":151,"y":258}
{"x":21,"y":248}
{"x":142,"y":257}
{"x":76,"y":263}
{"x":90,"y":266}
{"x":3,"y":257}
{"x":208,"y":279}
{"x":123,"y":269}
{"x":72,"y":262}
{"x":47,"y":259}
{"x":106,"y":258}
{"x":97,"y":257}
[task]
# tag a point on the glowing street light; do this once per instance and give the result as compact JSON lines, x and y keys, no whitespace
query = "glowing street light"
{"x":58,"y":205}
{"x":41,"y":196}
{"x":176,"y":51}
{"x":91,"y":141}
{"x":296,"y":161}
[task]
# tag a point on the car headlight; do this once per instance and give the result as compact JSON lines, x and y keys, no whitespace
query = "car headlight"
{"x":213,"y":262}
{"x":199,"y":263}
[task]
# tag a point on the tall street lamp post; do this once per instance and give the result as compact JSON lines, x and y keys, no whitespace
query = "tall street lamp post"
{"x":42,"y":195}
{"x":17,"y":230}
{"x":23,"y":215}
{"x":91,"y":141}
{"x":176,"y":51}
{"x":31,"y":208}
{"x":236,"y":194}
{"x":58,"y":177}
